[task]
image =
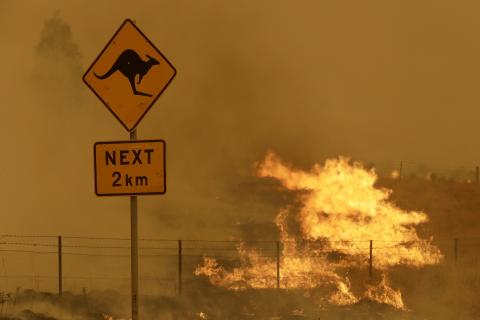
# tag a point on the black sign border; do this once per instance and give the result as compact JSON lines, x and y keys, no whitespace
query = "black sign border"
{"x":130,"y":141}
{"x":154,"y":100}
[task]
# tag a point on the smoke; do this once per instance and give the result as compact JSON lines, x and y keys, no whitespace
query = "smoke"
{"x":213,"y":304}
{"x":58,"y":64}
{"x":247,"y":82}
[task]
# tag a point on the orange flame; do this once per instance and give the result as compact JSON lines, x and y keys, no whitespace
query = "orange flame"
{"x":341,"y":209}
{"x":383,"y":293}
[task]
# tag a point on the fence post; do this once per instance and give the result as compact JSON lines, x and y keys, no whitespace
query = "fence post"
{"x":278,"y":264}
{"x":370,"y":267}
{"x":60,"y":265}
{"x":455,"y":250}
{"x":179,"y":267}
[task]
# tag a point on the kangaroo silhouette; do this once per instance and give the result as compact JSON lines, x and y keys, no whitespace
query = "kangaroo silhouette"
{"x":130,"y":64}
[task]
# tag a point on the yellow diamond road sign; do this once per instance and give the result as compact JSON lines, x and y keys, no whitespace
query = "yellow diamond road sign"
{"x":129,"y":75}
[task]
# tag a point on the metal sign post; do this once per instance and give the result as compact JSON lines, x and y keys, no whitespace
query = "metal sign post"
{"x":134,"y":245}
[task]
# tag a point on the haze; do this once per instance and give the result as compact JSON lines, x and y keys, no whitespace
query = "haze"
{"x":376,"y":81}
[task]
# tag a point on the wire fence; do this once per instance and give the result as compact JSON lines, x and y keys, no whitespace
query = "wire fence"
{"x":76,"y":264}
{"x":413,"y":169}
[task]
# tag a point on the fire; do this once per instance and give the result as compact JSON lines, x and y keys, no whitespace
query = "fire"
{"x":341,"y":210}
{"x":343,"y":296}
{"x":383,"y":292}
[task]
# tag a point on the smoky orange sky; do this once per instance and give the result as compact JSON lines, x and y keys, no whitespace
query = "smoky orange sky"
{"x":378,"y":81}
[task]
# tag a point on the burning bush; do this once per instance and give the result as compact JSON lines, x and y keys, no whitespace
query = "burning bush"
{"x":340,"y":210}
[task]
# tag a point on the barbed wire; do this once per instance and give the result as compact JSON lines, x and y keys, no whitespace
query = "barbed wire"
{"x":210,"y":254}
{"x":84,"y":277}
{"x":80,"y":246}
{"x":237,"y":241}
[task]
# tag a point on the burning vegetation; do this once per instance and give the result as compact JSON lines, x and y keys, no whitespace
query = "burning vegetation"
{"x":333,"y":220}
{"x":340,"y":211}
